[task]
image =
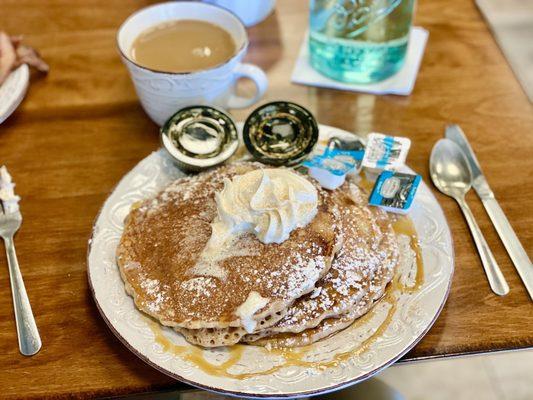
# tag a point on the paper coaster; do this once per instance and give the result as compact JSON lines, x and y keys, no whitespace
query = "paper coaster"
{"x":401,"y":84}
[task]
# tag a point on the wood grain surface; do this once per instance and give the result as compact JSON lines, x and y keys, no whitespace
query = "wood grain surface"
{"x":81,"y":128}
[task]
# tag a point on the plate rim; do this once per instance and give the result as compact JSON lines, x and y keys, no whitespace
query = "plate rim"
{"x":14,"y":101}
{"x":248,"y":395}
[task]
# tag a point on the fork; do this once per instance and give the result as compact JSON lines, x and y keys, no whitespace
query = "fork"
{"x":28,"y":335}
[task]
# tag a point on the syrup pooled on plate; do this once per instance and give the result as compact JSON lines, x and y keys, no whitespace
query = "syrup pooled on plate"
{"x":369,"y":327}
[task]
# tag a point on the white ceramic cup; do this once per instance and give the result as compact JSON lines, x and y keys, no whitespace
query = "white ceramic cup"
{"x":163,"y":93}
{"x":251,"y":12}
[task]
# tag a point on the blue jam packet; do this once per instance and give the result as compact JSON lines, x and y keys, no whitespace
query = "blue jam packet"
{"x":394,"y":191}
{"x":340,"y":157}
{"x":348,"y":157}
{"x":329,"y":172}
{"x":385,"y":152}
{"x":350,"y":152}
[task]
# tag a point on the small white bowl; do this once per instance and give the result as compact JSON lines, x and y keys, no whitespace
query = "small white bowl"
{"x":13,"y":90}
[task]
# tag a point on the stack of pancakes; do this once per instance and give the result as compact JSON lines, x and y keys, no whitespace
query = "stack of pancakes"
{"x":317,"y":282}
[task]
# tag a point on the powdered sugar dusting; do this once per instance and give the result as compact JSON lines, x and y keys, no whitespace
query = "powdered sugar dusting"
{"x":132,"y":265}
{"x":199,"y":285}
{"x":167,"y":234}
{"x":209,"y":267}
{"x":361,"y":268}
{"x":155,"y":292}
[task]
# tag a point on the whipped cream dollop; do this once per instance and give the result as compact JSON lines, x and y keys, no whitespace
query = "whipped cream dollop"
{"x":270,"y":203}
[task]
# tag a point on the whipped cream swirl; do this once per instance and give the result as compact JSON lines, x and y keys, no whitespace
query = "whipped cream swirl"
{"x":270,"y":203}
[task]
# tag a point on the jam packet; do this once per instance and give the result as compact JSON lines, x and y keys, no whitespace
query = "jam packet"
{"x":385,"y":152}
{"x":329,"y":172}
{"x":341,"y":156}
{"x":394,"y":191}
{"x":349,"y":151}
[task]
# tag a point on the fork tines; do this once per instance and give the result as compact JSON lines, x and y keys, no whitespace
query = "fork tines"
{"x":8,"y":199}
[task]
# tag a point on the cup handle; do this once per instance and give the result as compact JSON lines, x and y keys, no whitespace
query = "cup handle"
{"x":258,"y":76}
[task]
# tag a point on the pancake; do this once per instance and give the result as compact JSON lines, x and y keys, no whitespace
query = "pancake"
{"x":358,"y":276}
{"x":217,"y":337}
{"x":369,"y":254}
{"x":164,"y":237}
{"x":328,"y":327}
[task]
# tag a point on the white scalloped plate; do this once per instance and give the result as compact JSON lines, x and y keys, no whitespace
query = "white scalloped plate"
{"x":333,"y":363}
{"x":12,"y":91}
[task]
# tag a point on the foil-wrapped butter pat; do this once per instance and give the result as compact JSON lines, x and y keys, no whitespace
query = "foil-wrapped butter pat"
{"x":280,"y":133}
{"x":199,"y":137}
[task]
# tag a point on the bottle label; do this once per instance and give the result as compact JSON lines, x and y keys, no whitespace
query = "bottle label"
{"x":352,"y":17}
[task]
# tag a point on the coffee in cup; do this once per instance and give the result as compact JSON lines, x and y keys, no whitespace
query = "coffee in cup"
{"x":152,"y":41}
{"x":183,"y":46}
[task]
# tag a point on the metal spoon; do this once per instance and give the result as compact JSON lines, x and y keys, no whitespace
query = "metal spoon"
{"x":451,"y":174}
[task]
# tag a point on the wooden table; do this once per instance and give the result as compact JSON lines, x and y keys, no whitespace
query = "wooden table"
{"x":81,"y":128}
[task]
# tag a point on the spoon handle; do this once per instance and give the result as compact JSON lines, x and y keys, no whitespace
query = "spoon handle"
{"x":496,"y":279}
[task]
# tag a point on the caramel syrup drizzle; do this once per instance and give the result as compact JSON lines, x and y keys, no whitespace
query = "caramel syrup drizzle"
{"x":296,"y":356}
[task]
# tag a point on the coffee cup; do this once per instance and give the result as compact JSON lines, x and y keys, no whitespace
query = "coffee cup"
{"x":251,"y":12}
{"x":162,"y":93}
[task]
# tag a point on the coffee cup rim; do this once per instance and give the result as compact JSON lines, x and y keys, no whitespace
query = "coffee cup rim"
{"x":238,"y":52}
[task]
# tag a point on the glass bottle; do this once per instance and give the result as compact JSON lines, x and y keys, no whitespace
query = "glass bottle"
{"x":359,"y":41}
